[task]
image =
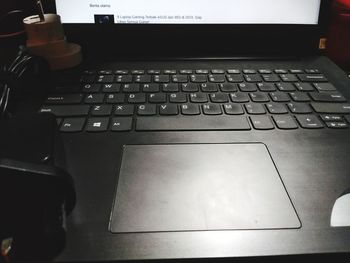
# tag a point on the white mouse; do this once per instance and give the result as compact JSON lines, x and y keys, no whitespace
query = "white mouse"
{"x":341,"y":212}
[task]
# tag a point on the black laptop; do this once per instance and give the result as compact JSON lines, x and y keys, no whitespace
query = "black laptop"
{"x":204,"y":130}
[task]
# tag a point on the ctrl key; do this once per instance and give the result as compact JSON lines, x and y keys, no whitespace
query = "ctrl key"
{"x":121,"y":124}
{"x":72,"y":125}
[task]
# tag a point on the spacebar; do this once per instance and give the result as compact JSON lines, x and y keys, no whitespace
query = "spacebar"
{"x":184,"y":123}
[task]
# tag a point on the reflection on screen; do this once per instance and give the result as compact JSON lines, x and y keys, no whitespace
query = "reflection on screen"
{"x":189,"y":11}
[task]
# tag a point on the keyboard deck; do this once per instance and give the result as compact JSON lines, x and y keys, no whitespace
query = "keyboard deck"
{"x":200,"y":99}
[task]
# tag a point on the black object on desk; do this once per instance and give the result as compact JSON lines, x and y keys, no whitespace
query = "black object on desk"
{"x":36,"y":195}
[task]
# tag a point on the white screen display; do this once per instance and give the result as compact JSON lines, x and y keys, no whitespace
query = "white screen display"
{"x":304,"y":12}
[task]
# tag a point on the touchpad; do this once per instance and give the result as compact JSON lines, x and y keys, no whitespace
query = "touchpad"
{"x":195,"y":187}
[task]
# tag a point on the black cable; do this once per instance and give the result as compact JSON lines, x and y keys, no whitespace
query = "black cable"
{"x":9,"y":78}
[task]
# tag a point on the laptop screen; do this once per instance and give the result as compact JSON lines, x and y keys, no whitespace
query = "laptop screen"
{"x":269,"y":12}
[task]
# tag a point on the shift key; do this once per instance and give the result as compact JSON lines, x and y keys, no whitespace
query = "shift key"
{"x":336,"y":108}
{"x":67,"y":110}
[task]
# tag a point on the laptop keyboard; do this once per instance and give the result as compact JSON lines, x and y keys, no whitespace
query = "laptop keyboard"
{"x":201,"y":99}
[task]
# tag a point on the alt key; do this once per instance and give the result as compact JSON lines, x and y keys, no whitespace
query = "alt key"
{"x":121,"y":124}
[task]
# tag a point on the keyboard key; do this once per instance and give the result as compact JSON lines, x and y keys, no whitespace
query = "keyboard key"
{"x":150,"y":88}
{"x":115,"y":98}
{"x":67,"y":110}
{"x":312,"y":78}
{"x":211,"y":109}
{"x":218,"y":71}
{"x":198,"y":97}
{"x":265,"y":71}
{"x":168,"y":109}
{"x":179,"y":78}
{"x":253,"y":78}
{"x":255,"y":108}
{"x":219,"y":97}
{"x":91,"y":88}
{"x":285,"y":87}
{"x":189,"y":87}
{"x":331,"y":118}
{"x":271,"y":78}
{"x":161,"y":78}
{"x":347,"y":118}
{"x":157,"y":98}
{"x":304,"y":86}
{"x":97,"y":124}
{"x":239,"y":97}
{"x":178,"y":98}
{"x":190,"y":109}
{"x":202,"y":71}
{"x":96,"y":98}
{"x":227,"y":87}
{"x":233,"y":109}
{"x":336,"y":108}
{"x":131,"y":88}
{"x":121,"y":72}
{"x":198,"y":78}
{"x":142,"y":79}
{"x":266,"y":86}
{"x":337,"y":125}
{"x":209,"y":87}
{"x":279,"y":97}
{"x":136,"y":98}
{"x":281,"y":71}
{"x":186,"y":123}
{"x":249,"y":71}
{"x":247,"y":87}
{"x":147,"y":110}
{"x":72,"y":125}
{"x":172,"y":87}
{"x":186,"y":71}
{"x":154,"y":72}
{"x":276,"y":108}
{"x":312,"y":71}
{"x":327,"y":97}
{"x":138,"y":72}
{"x":324,"y":87}
{"x":217,"y":78}
{"x":123,"y":79}
{"x":121,"y":124}
{"x":124,"y":110}
{"x":285,"y":122}
{"x":233,"y":71}
{"x":110,"y":88}
{"x":289,"y":78}
{"x":101,"y":110}
{"x":296,"y":71}
{"x":259,"y":97}
{"x":309,"y":122}
{"x":64,"y":99}
{"x":299,"y":96}
{"x":105,"y":79}
{"x":105,"y":72}
{"x":234,"y":78}
{"x":262,"y":123}
{"x":299,"y":108}
{"x":169,"y":72}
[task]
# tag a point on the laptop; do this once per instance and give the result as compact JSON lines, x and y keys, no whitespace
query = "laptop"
{"x":203,"y":130}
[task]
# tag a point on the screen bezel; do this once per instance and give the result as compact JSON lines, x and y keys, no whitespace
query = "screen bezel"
{"x":202,"y":40}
